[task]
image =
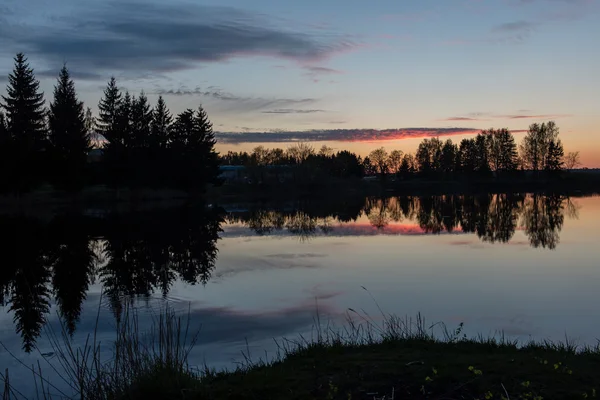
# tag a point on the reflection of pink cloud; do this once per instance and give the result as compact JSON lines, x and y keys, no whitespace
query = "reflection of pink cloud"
{"x":366,"y":229}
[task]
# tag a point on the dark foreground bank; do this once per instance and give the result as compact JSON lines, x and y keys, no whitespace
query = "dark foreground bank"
{"x":397,"y":359}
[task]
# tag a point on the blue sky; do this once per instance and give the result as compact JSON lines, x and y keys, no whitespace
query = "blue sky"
{"x":299,"y":66}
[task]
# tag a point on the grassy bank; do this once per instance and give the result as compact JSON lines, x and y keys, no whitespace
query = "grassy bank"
{"x":399,"y":358}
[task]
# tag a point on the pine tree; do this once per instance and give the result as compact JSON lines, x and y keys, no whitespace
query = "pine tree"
{"x":4,"y":133}
{"x":124,"y":123}
{"x":106,"y":125}
{"x":141,"y":121}
{"x":24,"y":107}
{"x":161,"y":123}
{"x":68,"y":134}
{"x":192,"y":149}
{"x":508,"y":150}
{"x":25,"y":121}
{"x":555,"y":157}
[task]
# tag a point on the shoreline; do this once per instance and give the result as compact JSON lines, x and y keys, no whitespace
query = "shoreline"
{"x":104,"y":197}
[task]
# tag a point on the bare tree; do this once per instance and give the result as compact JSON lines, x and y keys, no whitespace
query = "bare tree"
{"x":394,"y":161}
{"x":326,"y":151}
{"x":380,"y":160}
{"x":572,"y":160}
{"x":299,"y":152}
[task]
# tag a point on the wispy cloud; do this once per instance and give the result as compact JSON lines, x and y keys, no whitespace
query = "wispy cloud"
{"x":340,"y":135}
{"x":316,"y":73}
{"x":242,"y":103}
{"x":479,"y":116}
{"x":546,"y":116}
{"x":461,"y":119}
{"x":135,"y":37}
{"x":517,"y":26}
{"x":292,"y":111}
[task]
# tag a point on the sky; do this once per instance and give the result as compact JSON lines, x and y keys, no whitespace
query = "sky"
{"x":350,"y":74}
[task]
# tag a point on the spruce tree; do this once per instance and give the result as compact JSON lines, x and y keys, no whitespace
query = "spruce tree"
{"x":106,"y":125}
{"x":124,"y":125}
{"x":159,"y":140}
{"x":4,"y":134}
{"x":141,"y":121}
{"x":161,"y":123}
{"x":68,"y":134}
{"x":555,"y":157}
{"x":192,"y":149}
{"x":5,"y":153}
{"x":26,"y":123}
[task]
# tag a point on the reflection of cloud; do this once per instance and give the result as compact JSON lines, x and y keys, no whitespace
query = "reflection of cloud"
{"x":226,"y":325}
{"x":340,"y":135}
{"x":138,"y":37}
{"x":338,"y":230}
{"x":295,"y":256}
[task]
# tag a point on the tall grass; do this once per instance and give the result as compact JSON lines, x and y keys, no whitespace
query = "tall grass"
{"x":154,"y":363}
{"x":143,"y":363}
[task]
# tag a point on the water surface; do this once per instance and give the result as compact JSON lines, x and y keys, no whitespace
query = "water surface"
{"x":526,"y":265}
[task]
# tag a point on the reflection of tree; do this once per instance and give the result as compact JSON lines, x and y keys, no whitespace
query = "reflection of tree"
{"x":301,"y":224}
{"x":264,"y":222}
{"x":73,"y":261}
{"x":148,"y":251}
{"x":381,"y":211}
{"x":430,"y":215}
{"x":502,"y":218}
{"x":543,"y":218}
{"x":25,"y":276}
{"x":139,"y":253}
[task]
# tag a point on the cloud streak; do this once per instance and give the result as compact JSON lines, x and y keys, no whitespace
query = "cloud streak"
{"x":340,"y":135}
{"x":475,"y":116}
{"x":292,"y":111}
{"x":238,"y":103}
{"x":546,"y":116}
{"x":134,"y":37}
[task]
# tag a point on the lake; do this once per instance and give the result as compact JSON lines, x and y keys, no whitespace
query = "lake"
{"x":522,"y":264}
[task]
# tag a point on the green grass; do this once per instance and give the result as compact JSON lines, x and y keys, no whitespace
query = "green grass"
{"x":399,"y":357}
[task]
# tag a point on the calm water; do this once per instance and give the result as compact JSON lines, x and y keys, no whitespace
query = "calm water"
{"x":523,"y":264}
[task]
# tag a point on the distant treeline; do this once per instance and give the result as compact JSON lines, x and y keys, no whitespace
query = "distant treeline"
{"x":140,"y":145}
{"x":491,"y":152}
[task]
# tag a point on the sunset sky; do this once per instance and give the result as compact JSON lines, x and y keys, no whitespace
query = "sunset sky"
{"x":342,"y":68}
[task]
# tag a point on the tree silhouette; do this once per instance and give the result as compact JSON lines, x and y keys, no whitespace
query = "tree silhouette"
{"x":107,"y":126}
{"x":449,"y":151}
{"x":541,"y":148}
{"x":395,"y":161}
{"x":572,"y":160}
{"x":26,"y":122}
{"x":68,"y":133}
{"x":161,"y":123}
{"x":192,"y":149}
{"x":554,"y":159}
{"x":108,"y":107}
